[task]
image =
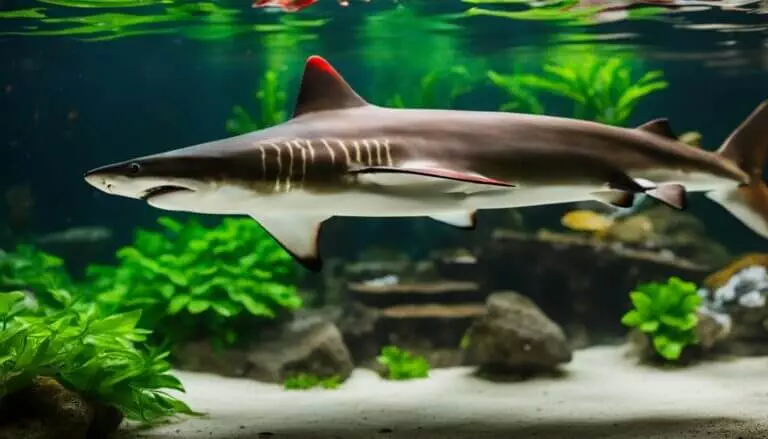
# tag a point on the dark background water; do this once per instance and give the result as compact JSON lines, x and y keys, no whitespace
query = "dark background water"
{"x":67,"y":106}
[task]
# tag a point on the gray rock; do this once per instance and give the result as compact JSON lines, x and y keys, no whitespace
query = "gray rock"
{"x":48,"y":410}
{"x":743,"y":299}
{"x":310,"y":345}
{"x":515,"y":336}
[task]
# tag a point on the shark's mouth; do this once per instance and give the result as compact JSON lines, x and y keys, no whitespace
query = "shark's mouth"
{"x":163,"y":190}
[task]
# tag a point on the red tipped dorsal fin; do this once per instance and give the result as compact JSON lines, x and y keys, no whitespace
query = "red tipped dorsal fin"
{"x":323,"y":88}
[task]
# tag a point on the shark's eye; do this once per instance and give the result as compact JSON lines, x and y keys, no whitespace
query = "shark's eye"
{"x":134,"y":168}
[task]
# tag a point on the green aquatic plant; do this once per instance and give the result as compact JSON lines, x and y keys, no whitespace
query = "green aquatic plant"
{"x":305,"y":381}
{"x":666,"y":312}
{"x":437,"y":89}
{"x":100,"y":357}
{"x":402,"y":365}
{"x":272,"y":101}
{"x":192,"y":281}
{"x":32,"y":270}
{"x":566,"y":12}
{"x":196,"y":20}
{"x":602,"y":89}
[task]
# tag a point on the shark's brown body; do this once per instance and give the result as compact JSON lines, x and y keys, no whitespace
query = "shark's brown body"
{"x":340,"y":156}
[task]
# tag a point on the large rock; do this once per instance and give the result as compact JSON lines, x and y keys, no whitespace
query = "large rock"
{"x":515,"y":336}
{"x":48,"y":410}
{"x":311,"y":345}
{"x":581,"y":283}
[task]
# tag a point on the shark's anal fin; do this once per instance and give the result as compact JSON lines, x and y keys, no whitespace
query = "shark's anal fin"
{"x":323,"y":88}
{"x":298,"y":235}
{"x":615,"y":197}
{"x":659,"y":127}
{"x":463,"y":220}
{"x":671,"y":194}
{"x":393,"y":176}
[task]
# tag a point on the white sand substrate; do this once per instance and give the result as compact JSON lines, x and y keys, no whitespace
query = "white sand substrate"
{"x":601,"y":395}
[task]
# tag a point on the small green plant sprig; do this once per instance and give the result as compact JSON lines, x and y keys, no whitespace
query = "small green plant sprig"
{"x":305,"y":381}
{"x":402,"y":365}
{"x":272,"y":102}
{"x":93,"y":355}
{"x":437,"y":89}
{"x":192,"y":281}
{"x":666,"y":312}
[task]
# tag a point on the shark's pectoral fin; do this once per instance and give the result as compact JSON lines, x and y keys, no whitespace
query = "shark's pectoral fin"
{"x":298,"y":235}
{"x":416,"y":175}
{"x":659,"y":127}
{"x":671,"y":194}
{"x":462,"y":220}
{"x":615,"y":197}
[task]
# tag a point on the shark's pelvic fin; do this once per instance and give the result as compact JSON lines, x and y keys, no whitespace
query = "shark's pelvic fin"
{"x":462,"y":220}
{"x":298,"y":235}
{"x":671,"y":194}
{"x":393,"y":175}
{"x":615,"y":197}
{"x":659,"y":127}
{"x":323,"y":88}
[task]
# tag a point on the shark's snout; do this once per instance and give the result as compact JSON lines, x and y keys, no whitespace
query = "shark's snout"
{"x":129,"y":179}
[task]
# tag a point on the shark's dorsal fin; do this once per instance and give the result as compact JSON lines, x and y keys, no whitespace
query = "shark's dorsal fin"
{"x":323,"y":88}
{"x":660,"y":127}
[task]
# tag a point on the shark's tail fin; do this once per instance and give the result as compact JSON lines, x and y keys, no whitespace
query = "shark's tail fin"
{"x":747,"y":147}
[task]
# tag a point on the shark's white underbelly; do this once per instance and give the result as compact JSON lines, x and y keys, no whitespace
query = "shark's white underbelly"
{"x":363,"y":202}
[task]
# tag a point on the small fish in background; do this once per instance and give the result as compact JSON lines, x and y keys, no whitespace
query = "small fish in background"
{"x":77,"y":235}
{"x":621,"y":225}
{"x":284,"y":5}
{"x":583,"y":220}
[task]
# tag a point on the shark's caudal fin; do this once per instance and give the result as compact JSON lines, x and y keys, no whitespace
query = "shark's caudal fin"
{"x":323,"y":88}
{"x":747,"y":147}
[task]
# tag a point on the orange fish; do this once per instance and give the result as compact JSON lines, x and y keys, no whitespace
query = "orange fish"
{"x":284,"y":5}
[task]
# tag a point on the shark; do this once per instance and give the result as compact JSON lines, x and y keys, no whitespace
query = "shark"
{"x":340,"y":155}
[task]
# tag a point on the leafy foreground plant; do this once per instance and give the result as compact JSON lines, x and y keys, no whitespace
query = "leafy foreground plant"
{"x":192,"y":281}
{"x":402,"y":365}
{"x":667,"y":314}
{"x":304,"y":381}
{"x":94,"y":356}
{"x":32,"y":270}
{"x":602,"y":90}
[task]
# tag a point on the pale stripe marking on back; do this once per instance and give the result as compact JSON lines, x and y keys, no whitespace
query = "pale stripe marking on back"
{"x":263,"y":160}
{"x":389,"y":154}
{"x":279,"y":165}
{"x":358,"y":159}
{"x":303,"y":158}
{"x":346,"y":151}
{"x":377,"y":145}
{"x":368,"y":149}
{"x":289,"y":178}
{"x":330,"y":151}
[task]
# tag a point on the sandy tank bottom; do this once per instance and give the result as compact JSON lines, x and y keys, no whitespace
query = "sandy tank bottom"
{"x":601,"y":394}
